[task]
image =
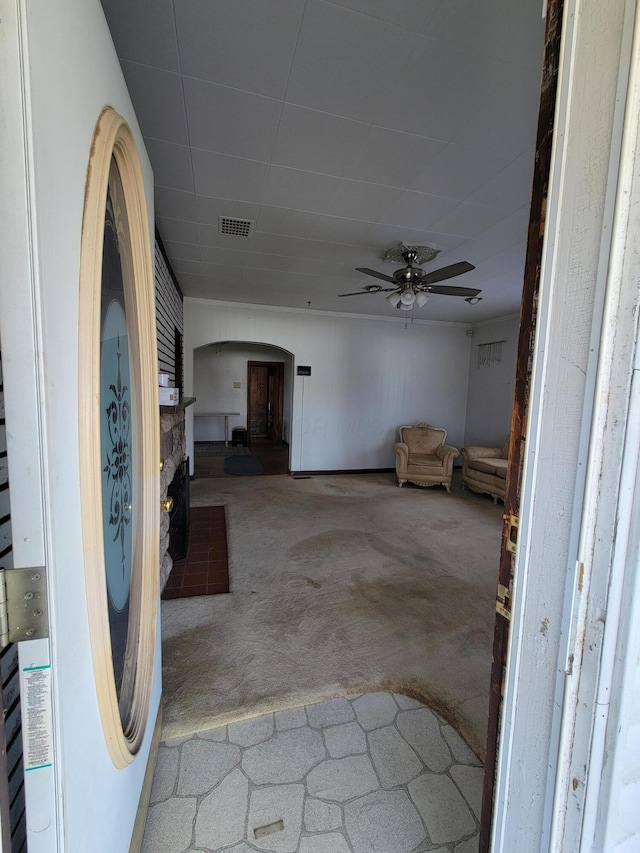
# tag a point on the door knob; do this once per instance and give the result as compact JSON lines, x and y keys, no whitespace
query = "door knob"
{"x":167,"y":504}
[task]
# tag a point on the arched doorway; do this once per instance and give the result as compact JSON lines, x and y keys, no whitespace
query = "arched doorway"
{"x":244,"y":394}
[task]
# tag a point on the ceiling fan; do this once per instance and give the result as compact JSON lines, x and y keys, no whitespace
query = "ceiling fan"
{"x":412,"y":285}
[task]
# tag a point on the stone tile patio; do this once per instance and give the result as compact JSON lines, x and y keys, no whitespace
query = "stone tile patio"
{"x":377,"y":773}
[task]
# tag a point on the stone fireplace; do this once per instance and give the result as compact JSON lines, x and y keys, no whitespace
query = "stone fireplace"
{"x":172,"y":453}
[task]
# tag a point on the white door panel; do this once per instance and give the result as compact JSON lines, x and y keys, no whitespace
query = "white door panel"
{"x":61,"y":71}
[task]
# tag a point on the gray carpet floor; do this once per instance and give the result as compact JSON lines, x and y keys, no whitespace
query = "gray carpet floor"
{"x":339,"y":584}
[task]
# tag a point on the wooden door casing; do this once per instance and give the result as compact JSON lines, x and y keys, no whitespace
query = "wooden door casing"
{"x":528,"y":312}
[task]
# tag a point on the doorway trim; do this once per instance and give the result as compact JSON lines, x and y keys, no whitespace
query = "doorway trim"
{"x":518,"y":434}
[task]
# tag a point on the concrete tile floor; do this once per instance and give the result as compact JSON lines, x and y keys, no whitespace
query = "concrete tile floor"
{"x":375,"y":773}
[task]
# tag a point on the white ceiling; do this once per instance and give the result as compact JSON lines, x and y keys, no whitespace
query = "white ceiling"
{"x":340,"y":129}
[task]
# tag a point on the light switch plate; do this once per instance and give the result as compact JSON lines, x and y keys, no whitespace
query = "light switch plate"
{"x":237,"y":384}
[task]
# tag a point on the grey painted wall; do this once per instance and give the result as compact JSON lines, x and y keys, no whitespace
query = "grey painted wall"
{"x":215,"y":370}
{"x":369,"y":376}
{"x":490,"y":388}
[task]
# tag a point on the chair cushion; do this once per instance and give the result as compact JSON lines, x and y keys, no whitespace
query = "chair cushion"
{"x":488,"y":466}
{"x":418,"y":461}
{"x":501,"y":468}
{"x":496,"y":467}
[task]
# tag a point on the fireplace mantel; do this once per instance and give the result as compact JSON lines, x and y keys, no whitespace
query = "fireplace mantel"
{"x":182,"y":405}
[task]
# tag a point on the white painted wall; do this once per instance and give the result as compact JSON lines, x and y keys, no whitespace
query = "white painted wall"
{"x":215,"y":368}
{"x":72,"y":73}
{"x":490,"y":392}
{"x":369,"y":376}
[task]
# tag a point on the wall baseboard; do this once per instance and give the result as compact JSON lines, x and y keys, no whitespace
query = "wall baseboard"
{"x":342,"y":471}
{"x":145,"y":795}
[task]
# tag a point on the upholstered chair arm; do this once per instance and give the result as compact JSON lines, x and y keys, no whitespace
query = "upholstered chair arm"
{"x":401,"y":451}
{"x":402,"y":454}
{"x":447,"y":453}
{"x":477,"y":452}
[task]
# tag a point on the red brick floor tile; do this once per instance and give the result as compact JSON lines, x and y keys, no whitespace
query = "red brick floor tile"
{"x":204,"y":570}
{"x":171,"y":593}
{"x":195,"y":580}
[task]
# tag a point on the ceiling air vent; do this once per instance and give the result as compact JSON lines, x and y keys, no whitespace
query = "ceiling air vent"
{"x":234,"y":227}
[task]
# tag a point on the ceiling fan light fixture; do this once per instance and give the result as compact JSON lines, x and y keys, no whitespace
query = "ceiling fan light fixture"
{"x":412,"y":286}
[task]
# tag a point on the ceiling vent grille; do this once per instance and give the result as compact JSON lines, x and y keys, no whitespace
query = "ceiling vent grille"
{"x":234,"y":227}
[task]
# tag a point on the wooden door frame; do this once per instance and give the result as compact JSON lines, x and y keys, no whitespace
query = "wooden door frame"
{"x":279,"y":409}
{"x":517,"y":437}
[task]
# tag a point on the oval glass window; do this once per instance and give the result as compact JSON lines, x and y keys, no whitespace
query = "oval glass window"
{"x":119,"y":436}
{"x":117,"y":440}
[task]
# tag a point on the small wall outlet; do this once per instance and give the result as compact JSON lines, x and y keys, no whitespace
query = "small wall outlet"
{"x":237,"y":384}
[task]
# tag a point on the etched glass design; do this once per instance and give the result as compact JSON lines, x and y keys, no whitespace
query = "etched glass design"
{"x":116,"y":436}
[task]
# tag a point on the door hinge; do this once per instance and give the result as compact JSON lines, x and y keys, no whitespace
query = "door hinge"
{"x":512,"y":534}
{"x":503,"y":601}
{"x":24,"y":613}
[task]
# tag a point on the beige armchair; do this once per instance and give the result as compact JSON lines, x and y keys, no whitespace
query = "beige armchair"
{"x":423,"y":458}
{"x":484,"y":469}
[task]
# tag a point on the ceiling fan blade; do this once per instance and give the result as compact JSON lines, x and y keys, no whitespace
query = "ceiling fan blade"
{"x":375,"y":274}
{"x":467,"y":292}
{"x":360,"y":292}
{"x":446,"y":272}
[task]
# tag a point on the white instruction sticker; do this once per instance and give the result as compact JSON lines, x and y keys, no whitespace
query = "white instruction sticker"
{"x":36,"y":702}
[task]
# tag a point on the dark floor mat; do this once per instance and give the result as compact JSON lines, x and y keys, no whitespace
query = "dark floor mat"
{"x":242,"y":466}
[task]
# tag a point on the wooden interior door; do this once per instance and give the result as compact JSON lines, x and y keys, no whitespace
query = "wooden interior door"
{"x":258,"y":414}
{"x":265,"y":385}
{"x":517,"y":439}
{"x":275,"y":388}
